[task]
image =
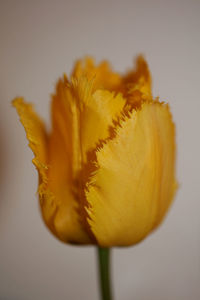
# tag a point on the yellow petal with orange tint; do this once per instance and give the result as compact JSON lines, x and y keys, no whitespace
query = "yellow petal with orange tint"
{"x":65,"y":165}
{"x":57,"y":201}
{"x":98,"y":110}
{"x":80,"y":120}
{"x":134,"y":184}
{"x":137,"y":84}
{"x":38,"y":142}
{"x":36,"y":134}
{"x":102,"y":74}
{"x":94,"y":116}
{"x":98,"y":117}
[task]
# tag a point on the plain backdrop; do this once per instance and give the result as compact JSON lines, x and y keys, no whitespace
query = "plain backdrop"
{"x":39,"y":40}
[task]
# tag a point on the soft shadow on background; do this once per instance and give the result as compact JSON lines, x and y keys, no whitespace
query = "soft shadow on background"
{"x":39,"y":41}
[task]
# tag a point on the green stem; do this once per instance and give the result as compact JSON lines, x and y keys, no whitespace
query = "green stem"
{"x":104,"y":273}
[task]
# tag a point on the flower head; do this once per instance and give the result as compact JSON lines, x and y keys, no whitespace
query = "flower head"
{"x":107,"y":168}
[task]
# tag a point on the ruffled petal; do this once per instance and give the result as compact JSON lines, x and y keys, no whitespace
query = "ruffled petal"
{"x":38,"y":142}
{"x":36,"y":134}
{"x":133,"y":186}
{"x":65,"y":165}
{"x":137,"y":84}
{"x":80,"y":119}
{"x":58,"y":205}
{"x":102,"y":74}
{"x":97,"y":112}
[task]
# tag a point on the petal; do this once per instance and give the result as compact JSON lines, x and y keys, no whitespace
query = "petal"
{"x":102,"y":74}
{"x":95,"y":115}
{"x":38,"y":142}
{"x":57,"y":202}
{"x":36,"y":134}
{"x":134,"y":184}
{"x":137,"y":83}
{"x":64,"y":167}
{"x":98,"y":111}
{"x":80,"y":119}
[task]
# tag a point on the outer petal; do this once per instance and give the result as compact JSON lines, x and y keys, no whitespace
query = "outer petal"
{"x":38,"y":142}
{"x":134,"y":184}
{"x":36,"y":134}
{"x":57,"y":204}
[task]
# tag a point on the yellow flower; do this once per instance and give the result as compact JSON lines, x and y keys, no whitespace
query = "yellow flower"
{"x":107,"y":168}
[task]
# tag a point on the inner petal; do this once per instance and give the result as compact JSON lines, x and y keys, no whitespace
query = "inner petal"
{"x":103,"y":75}
{"x":64,"y":165}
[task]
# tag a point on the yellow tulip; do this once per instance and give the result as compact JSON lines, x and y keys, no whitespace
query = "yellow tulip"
{"x":107,"y":167}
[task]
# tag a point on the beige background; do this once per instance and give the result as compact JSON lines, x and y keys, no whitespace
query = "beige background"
{"x":39,"y":40}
